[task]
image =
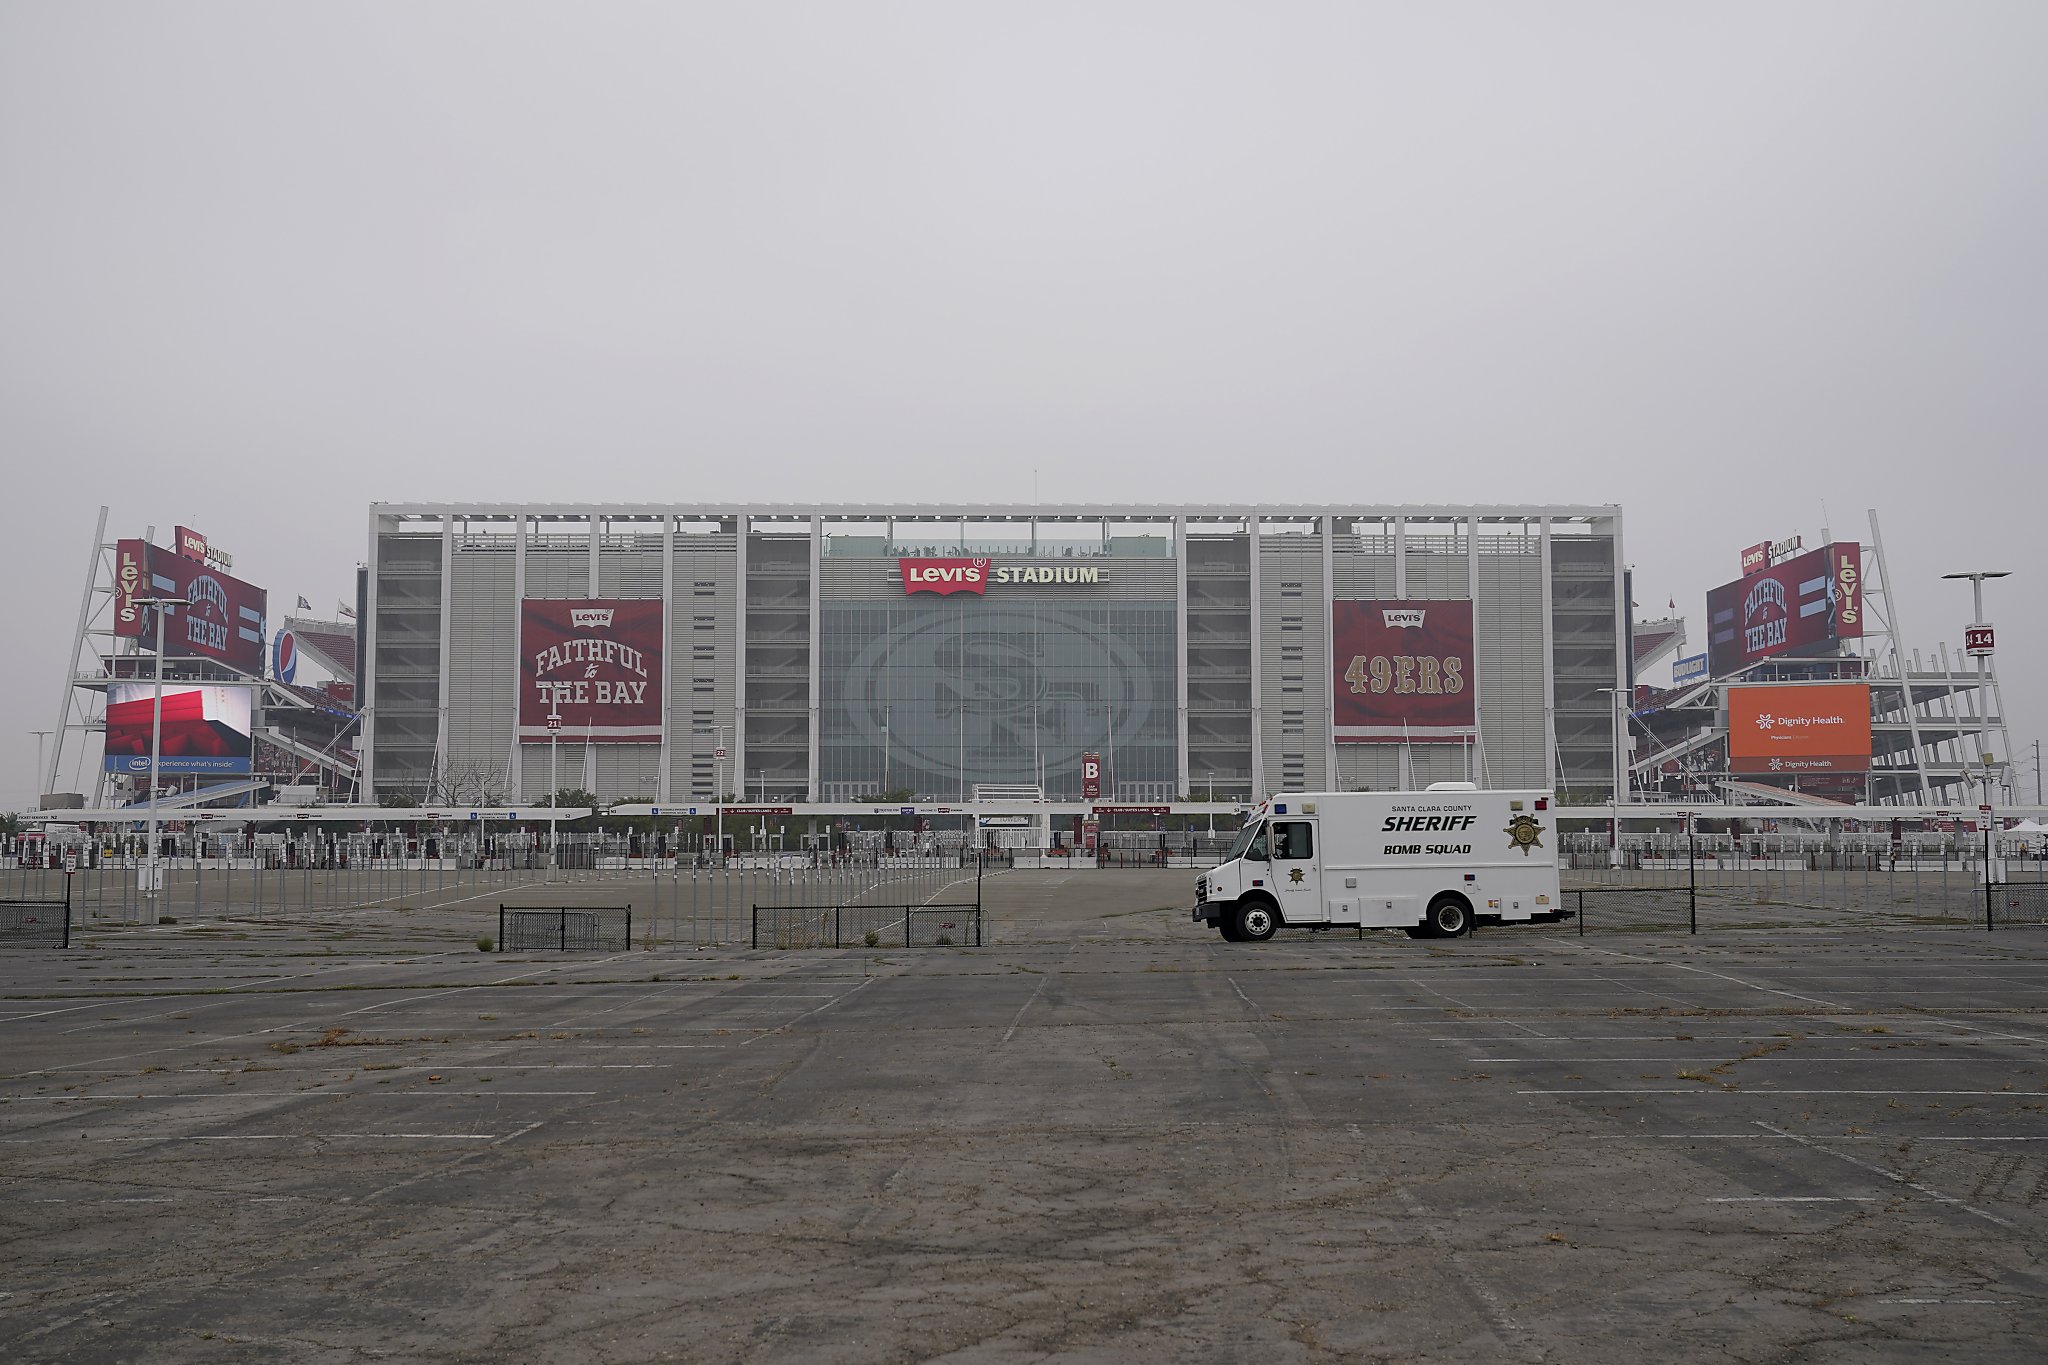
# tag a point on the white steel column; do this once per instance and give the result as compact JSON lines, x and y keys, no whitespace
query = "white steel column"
{"x":366,"y":679}
{"x":1180,"y":655}
{"x":1332,"y":780}
{"x":515,"y":768}
{"x":1478,"y":680}
{"x":441,"y":755}
{"x":817,"y":580}
{"x":1898,"y":644}
{"x":1624,"y":685}
{"x":65,"y":699}
{"x":1407,"y":777}
{"x":736,"y":756}
{"x":663,"y":786}
{"x":596,"y":571}
{"x":1258,"y":661}
{"x":1549,"y":663}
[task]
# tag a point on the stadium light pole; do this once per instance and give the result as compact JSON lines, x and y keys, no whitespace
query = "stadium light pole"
{"x":1977,"y":578}
{"x":152,"y":871}
{"x":39,"y":757}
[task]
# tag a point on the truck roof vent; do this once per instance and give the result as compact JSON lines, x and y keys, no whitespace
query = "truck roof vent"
{"x":1452,"y":787}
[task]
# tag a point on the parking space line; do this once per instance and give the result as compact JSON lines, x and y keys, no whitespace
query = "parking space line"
{"x":1027,"y":1005}
{"x":1773,"y":1090}
{"x":1796,"y":1199}
{"x":1688,"y":1061}
{"x":866,"y":981}
{"x":1831,"y":1137}
{"x":1892,"y":1176}
{"x":267,"y":1137}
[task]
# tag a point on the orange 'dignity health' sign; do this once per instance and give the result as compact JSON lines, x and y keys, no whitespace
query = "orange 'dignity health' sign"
{"x":1799,"y":728}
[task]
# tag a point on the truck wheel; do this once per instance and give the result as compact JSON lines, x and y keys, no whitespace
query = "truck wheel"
{"x":1256,"y":922}
{"x":1227,"y":926}
{"x":1449,"y":916}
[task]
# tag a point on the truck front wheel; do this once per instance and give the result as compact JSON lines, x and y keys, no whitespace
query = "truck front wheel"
{"x":1449,"y":917}
{"x":1256,"y":922}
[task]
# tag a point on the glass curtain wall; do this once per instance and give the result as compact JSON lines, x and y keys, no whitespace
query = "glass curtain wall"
{"x":931,"y":695}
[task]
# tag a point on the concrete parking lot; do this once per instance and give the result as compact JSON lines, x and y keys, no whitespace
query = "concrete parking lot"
{"x":1106,"y":1135}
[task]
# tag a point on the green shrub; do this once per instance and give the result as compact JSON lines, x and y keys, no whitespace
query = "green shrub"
{"x":872,"y":938}
{"x":484,"y":943}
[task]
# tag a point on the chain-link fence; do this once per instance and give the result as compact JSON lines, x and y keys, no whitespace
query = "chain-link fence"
{"x":1651,"y":881}
{"x":692,"y":898}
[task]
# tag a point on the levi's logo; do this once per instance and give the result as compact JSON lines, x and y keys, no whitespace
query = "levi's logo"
{"x":1409,"y":617}
{"x":590,"y":618}
{"x":944,"y":576}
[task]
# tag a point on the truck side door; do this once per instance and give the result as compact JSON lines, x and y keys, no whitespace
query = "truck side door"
{"x":1297,"y":872}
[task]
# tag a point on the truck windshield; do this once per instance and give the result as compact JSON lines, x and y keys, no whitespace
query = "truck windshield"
{"x":1243,"y":843}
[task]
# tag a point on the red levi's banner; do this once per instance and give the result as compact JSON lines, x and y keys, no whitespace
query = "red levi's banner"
{"x":222,"y":623}
{"x":1798,"y":606}
{"x":944,"y":576}
{"x":598,"y":662}
{"x":1846,"y":559}
{"x":1403,"y":671}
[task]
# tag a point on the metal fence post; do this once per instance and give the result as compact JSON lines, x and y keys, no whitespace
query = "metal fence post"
{"x":1692,"y":878}
{"x":1987,"y":874}
{"x":755,"y":941}
{"x":1582,"y":912}
{"x":501,"y":926}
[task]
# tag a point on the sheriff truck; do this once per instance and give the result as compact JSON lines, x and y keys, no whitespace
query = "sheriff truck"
{"x":1431,"y":862}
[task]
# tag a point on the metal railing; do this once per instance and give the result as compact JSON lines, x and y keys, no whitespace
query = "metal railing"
{"x":869,"y":926}
{"x":690,"y":900}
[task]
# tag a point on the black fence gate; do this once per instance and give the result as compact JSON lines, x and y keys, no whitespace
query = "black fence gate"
{"x":590,"y":929}
{"x":36,"y":923}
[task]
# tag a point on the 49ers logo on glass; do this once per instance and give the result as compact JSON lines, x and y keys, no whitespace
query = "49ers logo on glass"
{"x":1402,"y":671}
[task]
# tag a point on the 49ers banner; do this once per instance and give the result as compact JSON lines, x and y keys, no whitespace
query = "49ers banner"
{"x":597,"y":663}
{"x":1402,"y":671}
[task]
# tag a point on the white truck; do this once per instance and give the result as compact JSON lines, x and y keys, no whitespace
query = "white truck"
{"x":1431,"y":862}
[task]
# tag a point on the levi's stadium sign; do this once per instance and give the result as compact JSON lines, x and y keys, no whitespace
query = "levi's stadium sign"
{"x":946,"y":576}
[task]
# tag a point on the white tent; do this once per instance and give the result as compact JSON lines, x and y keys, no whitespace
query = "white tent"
{"x":2028,"y":827}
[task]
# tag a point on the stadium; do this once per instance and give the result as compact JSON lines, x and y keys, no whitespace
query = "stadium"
{"x":835,"y":656}
{"x":1138,"y":654}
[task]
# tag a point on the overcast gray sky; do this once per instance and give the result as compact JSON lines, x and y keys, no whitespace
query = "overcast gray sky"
{"x":261,"y":264}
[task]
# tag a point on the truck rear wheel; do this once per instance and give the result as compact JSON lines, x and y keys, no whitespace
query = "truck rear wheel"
{"x":1256,"y":922}
{"x":1449,"y":916}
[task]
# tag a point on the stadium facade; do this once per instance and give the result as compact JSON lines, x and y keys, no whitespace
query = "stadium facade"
{"x":1114,"y":653}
